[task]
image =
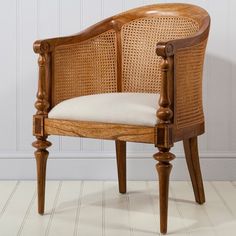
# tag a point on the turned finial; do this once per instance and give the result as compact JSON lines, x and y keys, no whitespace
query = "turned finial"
{"x":41,"y":103}
{"x":164,"y":112}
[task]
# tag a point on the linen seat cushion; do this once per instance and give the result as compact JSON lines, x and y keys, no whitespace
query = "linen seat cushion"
{"x":120,"y":108}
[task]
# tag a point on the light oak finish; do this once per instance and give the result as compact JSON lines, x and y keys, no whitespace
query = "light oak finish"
{"x":114,"y":56}
{"x":98,"y":130}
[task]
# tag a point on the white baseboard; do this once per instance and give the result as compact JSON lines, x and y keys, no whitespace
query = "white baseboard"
{"x":104,"y":168}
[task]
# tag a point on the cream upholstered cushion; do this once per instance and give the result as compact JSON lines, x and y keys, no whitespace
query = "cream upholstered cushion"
{"x":121,"y":108}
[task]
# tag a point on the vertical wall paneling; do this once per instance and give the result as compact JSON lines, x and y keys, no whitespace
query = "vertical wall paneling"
{"x":70,"y":17}
{"x":9,"y":67}
{"x":148,"y":2}
{"x":48,"y":18}
{"x":91,"y":15}
{"x":218,"y":92}
{"x":132,"y":4}
{"x":22,"y":22}
{"x":231,"y":49}
{"x":111,"y":7}
{"x":27,"y":78}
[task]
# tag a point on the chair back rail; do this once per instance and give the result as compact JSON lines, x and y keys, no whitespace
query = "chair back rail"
{"x":118,"y":55}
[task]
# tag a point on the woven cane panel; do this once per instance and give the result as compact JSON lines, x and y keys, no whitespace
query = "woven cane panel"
{"x":85,"y":68}
{"x":139,"y":38}
{"x":189,"y":66}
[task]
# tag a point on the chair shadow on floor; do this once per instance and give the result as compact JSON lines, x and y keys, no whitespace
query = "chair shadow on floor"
{"x":144,"y":201}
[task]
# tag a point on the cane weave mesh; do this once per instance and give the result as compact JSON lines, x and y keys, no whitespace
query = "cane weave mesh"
{"x":84,"y":68}
{"x":141,"y":66}
{"x":90,"y":67}
{"x":189,"y":66}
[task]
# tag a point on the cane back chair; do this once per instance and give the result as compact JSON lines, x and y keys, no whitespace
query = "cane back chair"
{"x":138,"y":57}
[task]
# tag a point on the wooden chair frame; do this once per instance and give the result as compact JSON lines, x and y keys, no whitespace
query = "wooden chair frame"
{"x":163,"y":135}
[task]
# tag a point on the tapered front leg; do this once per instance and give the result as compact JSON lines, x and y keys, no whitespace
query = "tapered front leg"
{"x":163,"y":169}
{"x":41,"y":155}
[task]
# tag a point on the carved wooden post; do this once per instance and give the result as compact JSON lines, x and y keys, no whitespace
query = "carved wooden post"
{"x":42,"y":105}
{"x":164,"y":140}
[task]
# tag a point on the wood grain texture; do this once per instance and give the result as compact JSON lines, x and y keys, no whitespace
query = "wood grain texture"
{"x":163,"y":171}
{"x":121,"y":164}
{"x":192,"y":158}
{"x":164,"y":139}
{"x":41,"y":156}
{"x":129,"y":133}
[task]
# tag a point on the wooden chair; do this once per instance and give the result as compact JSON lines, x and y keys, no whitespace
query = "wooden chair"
{"x":134,"y":58}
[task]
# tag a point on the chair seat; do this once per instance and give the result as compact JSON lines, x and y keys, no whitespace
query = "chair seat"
{"x":119,"y":108}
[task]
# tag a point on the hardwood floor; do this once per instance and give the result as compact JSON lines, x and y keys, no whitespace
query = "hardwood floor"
{"x":88,"y":208}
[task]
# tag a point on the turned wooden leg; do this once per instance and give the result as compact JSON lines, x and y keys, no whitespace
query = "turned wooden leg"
{"x":192,"y":158}
{"x":163,"y":169}
{"x":121,"y":164}
{"x":41,"y":155}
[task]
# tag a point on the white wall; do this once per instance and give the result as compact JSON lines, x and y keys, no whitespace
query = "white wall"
{"x":24,"y":21}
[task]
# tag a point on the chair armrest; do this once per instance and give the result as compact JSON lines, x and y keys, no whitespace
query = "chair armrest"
{"x":80,"y":64}
{"x":181,"y":91}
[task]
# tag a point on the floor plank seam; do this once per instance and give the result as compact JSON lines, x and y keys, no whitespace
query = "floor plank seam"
{"x":9,"y":198}
{"x":53,"y":209}
{"x":138,"y":210}
{"x":205,"y":211}
{"x":131,"y":230}
{"x":154,"y":201}
{"x":179,"y":210}
{"x":78,"y":209}
{"x":27,"y":214}
{"x":222,"y":199}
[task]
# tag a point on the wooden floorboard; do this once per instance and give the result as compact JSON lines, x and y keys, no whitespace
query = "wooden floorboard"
{"x":221,"y":218}
{"x":194,"y":217}
{"x":90,"y":220}
{"x":17,"y":208}
{"x":88,"y":208}
{"x":115,"y":211}
{"x":63,"y":222}
{"x":36,"y":224}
